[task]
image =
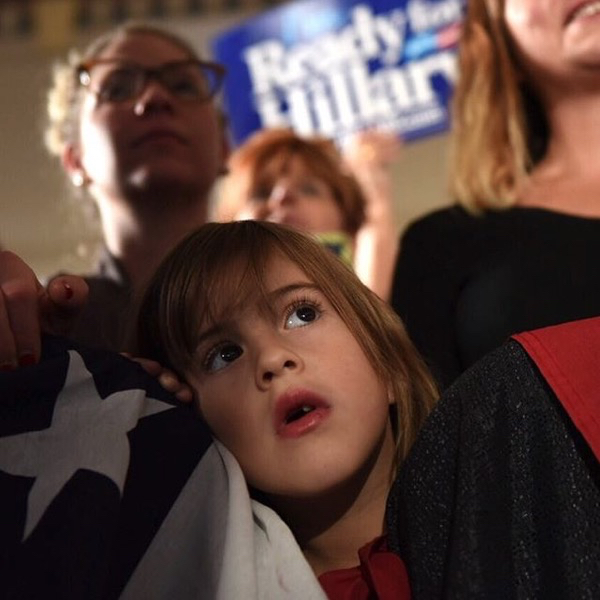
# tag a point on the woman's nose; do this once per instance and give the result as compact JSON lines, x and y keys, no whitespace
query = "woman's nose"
{"x":153,"y":98}
{"x":281,"y":193}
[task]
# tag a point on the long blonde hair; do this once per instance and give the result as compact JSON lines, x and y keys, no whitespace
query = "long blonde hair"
{"x":499,"y":125}
{"x":221,"y":265}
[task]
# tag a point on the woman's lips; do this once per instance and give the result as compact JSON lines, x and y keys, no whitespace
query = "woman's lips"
{"x":299,"y":411}
{"x":159,"y":135}
{"x":582,"y":10}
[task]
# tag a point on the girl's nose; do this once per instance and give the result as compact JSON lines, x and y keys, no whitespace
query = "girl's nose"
{"x":274,"y":360}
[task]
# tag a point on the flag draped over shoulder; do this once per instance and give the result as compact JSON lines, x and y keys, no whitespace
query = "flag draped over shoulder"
{"x":109,"y":489}
{"x":93,"y":453}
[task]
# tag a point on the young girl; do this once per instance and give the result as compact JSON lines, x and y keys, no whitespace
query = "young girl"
{"x":305,"y":375}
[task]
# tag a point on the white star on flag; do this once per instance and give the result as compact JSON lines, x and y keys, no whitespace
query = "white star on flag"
{"x":86,"y":432}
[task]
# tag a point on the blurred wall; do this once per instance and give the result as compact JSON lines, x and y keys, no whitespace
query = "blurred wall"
{"x":41,"y":218}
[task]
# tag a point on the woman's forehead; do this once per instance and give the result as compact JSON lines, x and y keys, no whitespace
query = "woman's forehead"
{"x":289,"y":163}
{"x":144,"y":48}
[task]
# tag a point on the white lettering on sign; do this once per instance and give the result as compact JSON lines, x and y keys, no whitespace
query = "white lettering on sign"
{"x":324,"y":85}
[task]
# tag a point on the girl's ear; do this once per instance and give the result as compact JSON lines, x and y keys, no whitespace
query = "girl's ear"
{"x":73,"y":165}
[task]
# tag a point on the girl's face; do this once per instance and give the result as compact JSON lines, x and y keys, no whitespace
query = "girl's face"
{"x":156,"y":139}
{"x":287,"y":388}
{"x":297,"y":198}
{"x":555,"y":36}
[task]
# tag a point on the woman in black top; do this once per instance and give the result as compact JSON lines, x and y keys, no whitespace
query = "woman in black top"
{"x":517,"y":252}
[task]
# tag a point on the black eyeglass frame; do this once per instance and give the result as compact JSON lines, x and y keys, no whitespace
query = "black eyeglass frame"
{"x":218,"y":70}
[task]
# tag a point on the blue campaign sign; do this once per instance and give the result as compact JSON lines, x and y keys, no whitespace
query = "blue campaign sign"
{"x":333,"y":67}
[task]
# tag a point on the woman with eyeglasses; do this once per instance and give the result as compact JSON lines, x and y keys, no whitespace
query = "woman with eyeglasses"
{"x":133,"y":122}
{"x":519,"y":250}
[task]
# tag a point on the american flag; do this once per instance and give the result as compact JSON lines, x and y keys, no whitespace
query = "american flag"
{"x":109,"y":489}
{"x":77,"y":506}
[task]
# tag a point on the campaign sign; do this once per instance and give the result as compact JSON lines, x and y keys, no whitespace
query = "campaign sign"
{"x":333,"y":67}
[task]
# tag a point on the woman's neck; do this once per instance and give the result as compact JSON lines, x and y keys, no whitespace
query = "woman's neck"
{"x":141,"y":238}
{"x":567,"y":179}
{"x":575,"y":125}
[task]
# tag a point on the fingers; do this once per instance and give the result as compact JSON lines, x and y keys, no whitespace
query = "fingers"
{"x":150,"y":366}
{"x":68,"y":292}
{"x":172,"y":384}
{"x":8,"y":348}
{"x":373,"y":148}
{"x":26,"y":308}
{"x":167,"y":379}
{"x":20,"y":292}
{"x":66,"y":296}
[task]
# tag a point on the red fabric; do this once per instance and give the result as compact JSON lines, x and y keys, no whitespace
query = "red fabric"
{"x":381,"y":575}
{"x":568,"y":356}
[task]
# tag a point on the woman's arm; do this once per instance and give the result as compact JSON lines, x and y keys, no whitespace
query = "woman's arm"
{"x":370,"y":156}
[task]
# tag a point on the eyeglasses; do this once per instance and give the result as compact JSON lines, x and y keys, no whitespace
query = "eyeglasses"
{"x":116,"y":81}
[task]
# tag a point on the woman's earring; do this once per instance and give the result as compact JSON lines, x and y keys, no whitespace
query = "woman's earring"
{"x":79,"y":178}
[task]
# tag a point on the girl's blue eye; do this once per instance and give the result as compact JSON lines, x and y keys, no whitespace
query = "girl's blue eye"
{"x":301,"y":316}
{"x":222,"y":356}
